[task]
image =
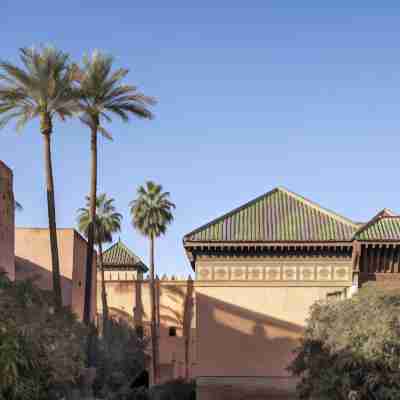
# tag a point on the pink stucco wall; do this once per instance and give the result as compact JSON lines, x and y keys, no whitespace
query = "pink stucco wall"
{"x":130,"y":300}
{"x":6,"y":221}
{"x":33,"y":260}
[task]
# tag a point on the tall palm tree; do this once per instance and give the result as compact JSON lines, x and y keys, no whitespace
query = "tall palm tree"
{"x":107,"y":222}
{"x":102,"y":95}
{"x":39,"y":89}
{"x":151,"y":214}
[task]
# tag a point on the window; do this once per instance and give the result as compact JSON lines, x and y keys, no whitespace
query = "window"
{"x":334,"y":295}
{"x":172,"y":331}
{"x":139,"y":331}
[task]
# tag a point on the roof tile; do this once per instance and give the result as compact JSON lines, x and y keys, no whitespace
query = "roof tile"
{"x":119,"y":255}
{"x":279,"y":215}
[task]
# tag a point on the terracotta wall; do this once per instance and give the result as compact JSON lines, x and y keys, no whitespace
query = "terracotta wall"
{"x":78,"y":277}
{"x":131,"y":301}
{"x":33,"y":259}
{"x":251,"y":313}
{"x":6,"y":221}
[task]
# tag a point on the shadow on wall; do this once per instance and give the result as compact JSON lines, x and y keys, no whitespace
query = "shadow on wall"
{"x":117,"y":313}
{"x":26,"y":269}
{"x":235,"y":341}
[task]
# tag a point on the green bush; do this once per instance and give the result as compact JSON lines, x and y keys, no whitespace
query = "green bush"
{"x":120,"y":359}
{"x":351,"y":349}
{"x":177,"y":389}
{"x":41,"y":352}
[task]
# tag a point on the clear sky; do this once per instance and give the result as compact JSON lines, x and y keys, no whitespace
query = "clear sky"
{"x":251,"y":95}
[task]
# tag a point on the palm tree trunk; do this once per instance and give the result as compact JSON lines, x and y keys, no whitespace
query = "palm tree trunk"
{"x":103,"y":293}
{"x":46,"y":129}
{"x":154,"y":336}
{"x":187,"y":343}
{"x":90,"y":246}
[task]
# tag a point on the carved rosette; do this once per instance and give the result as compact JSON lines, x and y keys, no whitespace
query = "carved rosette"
{"x":270,"y":272}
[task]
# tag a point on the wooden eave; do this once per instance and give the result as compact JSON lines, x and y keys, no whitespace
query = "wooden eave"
{"x":240,"y":244}
{"x":192,"y":247}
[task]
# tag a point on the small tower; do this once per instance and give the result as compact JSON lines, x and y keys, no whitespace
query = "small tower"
{"x":7,"y":223}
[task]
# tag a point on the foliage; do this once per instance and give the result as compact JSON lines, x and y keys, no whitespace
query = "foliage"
{"x":41,"y":352}
{"x":177,"y":389}
{"x":101,"y":93}
{"x":351,"y":349}
{"x":107,"y":221}
{"x":151,"y":210}
{"x":41,"y":87}
{"x":121,"y":357}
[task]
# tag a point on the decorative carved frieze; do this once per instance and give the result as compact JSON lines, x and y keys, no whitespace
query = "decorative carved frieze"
{"x":289,"y":271}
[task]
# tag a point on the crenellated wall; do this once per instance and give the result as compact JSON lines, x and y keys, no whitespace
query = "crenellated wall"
{"x":130,"y":299}
{"x":7,"y":238}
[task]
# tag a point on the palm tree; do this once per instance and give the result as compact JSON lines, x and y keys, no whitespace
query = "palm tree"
{"x":102,"y":95}
{"x":107,"y":222}
{"x":39,"y":89}
{"x":151,"y":214}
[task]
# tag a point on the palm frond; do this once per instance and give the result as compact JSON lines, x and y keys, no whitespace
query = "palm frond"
{"x":151,"y":210}
{"x":41,"y":86}
{"x":102,"y":94}
{"x":107,"y":222}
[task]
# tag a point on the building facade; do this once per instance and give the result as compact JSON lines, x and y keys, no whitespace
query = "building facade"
{"x":33,"y":260}
{"x":128,"y":297}
{"x":7,"y":208}
{"x":258,"y":270}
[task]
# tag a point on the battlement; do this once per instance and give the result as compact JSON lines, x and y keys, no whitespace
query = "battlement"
{"x":132,"y":276}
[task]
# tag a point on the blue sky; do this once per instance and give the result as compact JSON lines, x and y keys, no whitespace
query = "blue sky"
{"x":251,"y":95}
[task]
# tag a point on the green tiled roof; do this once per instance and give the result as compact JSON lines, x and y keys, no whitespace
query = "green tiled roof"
{"x":119,"y":256}
{"x":277,"y":216}
{"x":383,"y":227}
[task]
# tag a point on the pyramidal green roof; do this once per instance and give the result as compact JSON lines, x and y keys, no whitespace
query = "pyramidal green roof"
{"x":277,"y":216}
{"x":120,"y":256}
{"x":385,"y":226}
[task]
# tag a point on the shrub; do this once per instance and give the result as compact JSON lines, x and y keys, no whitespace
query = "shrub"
{"x":178,"y":389}
{"x":120,"y":359}
{"x":41,"y":352}
{"x":351,"y":349}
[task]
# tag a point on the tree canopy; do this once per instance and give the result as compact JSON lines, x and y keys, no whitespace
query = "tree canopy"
{"x":351,"y":348}
{"x":108,"y":220}
{"x":152,"y":210}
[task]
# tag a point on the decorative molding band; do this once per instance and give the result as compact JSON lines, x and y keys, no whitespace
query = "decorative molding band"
{"x":275,"y":272}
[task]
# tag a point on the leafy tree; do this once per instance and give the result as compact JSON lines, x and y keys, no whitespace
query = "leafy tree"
{"x":41,"y":352}
{"x":40,"y":89}
{"x":107,"y":222}
{"x":101,"y":95}
{"x":351,"y":349}
{"x":151,"y":214}
{"x":121,"y":358}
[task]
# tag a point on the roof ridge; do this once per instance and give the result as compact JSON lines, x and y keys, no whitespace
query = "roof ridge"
{"x":229,"y":213}
{"x":318,"y":207}
{"x":281,"y":189}
{"x":384,"y":213}
{"x":120,"y":246}
{"x":121,"y":243}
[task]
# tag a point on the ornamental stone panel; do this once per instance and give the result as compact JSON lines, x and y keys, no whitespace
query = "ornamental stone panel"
{"x":274,"y":271}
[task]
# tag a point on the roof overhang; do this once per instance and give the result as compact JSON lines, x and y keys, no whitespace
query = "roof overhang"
{"x":195,"y":247}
